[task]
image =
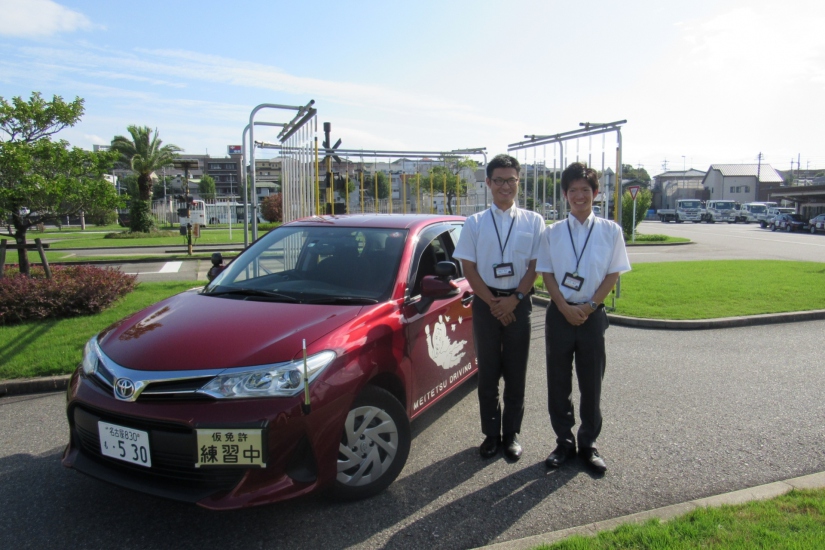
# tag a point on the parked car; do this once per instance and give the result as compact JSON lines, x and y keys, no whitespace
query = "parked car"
{"x":817,"y":223}
{"x":299,"y":367}
{"x":789,"y":222}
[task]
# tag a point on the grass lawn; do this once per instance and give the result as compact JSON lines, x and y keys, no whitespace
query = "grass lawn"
{"x":55,"y":346}
{"x":792,"y":521}
{"x":720,"y":288}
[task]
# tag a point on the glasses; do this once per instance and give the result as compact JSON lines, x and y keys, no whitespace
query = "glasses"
{"x":512,"y":182}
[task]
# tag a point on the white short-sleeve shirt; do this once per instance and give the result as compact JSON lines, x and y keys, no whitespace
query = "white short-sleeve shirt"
{"x":604,"y":254}
{"x":481,"y":242}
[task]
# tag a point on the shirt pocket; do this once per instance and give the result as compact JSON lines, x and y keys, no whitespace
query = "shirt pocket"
{"x":523,"y":246}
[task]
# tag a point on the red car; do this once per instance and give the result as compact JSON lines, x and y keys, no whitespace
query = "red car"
{"x":298,"y":367}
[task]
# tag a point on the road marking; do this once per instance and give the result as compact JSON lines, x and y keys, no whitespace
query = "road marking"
{"x":171,"y":267}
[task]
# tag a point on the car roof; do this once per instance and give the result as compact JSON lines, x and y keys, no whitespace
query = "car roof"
{"x":389,"y":221}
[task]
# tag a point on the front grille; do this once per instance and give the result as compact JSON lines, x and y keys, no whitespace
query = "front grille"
{"x":173,"y":449}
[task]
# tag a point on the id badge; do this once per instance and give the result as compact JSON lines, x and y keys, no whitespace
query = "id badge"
{"x":503,"y":270}
{"x":573,"y":282}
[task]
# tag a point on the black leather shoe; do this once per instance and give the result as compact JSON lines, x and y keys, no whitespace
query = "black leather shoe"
{"x":489,"y":447}
{"x":593,"y":460}
{"x":512,"y":448}
{"x":559,"y":455}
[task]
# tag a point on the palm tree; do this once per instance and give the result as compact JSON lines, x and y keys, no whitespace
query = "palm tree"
{"x":144,"y":154}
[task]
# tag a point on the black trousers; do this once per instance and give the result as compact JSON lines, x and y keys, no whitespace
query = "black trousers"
{"x":501,"y":352}
{"x":585,"y":344}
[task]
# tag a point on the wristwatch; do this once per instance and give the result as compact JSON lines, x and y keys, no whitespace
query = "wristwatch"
{"x":520,"y":296}
{"x":593,"y":305}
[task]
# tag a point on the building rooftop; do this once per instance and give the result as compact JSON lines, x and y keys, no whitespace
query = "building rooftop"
{"x":766,"y":172}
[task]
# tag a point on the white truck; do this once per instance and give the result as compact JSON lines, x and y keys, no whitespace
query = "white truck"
{"x":720,"y":211}
{"x":750,"y":212}
{"x":687,"y":210}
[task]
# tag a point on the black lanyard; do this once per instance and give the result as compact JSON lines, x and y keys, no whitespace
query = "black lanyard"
{"x":502,"y":246}
{"x":587,"y":240}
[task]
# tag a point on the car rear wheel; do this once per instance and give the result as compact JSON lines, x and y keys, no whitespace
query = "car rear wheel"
{"x":374,"y":445}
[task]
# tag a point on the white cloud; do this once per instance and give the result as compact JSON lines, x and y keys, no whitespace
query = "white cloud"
{"x":39,"y":18}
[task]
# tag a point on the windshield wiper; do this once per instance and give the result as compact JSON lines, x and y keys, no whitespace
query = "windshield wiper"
{"x":343,"y":300}
{"x":255,"y":292}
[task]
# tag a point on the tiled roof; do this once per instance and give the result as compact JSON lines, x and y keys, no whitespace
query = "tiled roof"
{"x":766,"y":173}
{"x":689,"y":173}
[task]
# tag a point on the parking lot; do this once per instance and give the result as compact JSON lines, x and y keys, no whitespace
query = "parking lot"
{"x":687,"y":415}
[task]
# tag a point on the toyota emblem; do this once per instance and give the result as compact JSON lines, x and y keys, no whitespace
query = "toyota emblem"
{"x":124,"y":388}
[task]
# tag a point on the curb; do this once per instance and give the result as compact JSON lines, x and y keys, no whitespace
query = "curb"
{"x":760,"y":492}
{"x":706,"y":324}
{"x":27,"y":386}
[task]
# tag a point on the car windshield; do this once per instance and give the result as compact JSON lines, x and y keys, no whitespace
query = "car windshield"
{"x":689,"y":204}
{"x":724,"y":205}
{"x":758,"y":208}
{"x":332,"y":265}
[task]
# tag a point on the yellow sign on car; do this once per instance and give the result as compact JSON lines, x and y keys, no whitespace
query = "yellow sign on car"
{"x":230,"y":447}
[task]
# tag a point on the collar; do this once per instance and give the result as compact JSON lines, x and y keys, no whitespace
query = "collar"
{"x":591,"y":219}
{"x":510,"y":212}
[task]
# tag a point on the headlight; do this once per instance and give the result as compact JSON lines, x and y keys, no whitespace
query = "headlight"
{"x":90,"y":357}
{"x":282,"y":380}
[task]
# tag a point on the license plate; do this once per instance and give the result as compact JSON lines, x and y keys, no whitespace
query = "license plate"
{"x":230,"y":447}
{"x":126,"y":444}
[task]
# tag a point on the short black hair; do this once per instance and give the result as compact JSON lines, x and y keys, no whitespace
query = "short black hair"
{"x":502,"y":161}
{"x":579,"y":171}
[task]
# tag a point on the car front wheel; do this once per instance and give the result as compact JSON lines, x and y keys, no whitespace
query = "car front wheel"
{"x":813,"y":229}
{"x":374,"y":445}
{"x":773,"y":227}
{"x":788,"y":228}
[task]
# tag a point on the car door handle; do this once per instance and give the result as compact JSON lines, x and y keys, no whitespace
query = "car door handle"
{"x":467,"y":298}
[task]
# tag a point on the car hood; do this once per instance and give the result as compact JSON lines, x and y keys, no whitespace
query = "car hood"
{"x":193,"y":331}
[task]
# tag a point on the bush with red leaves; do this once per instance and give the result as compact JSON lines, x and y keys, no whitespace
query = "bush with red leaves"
{"x":72,"y":291}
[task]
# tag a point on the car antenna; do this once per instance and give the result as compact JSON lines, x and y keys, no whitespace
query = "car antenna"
{"x":306,"y":406}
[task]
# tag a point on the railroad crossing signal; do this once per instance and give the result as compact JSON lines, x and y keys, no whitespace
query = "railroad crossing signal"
{"x":329,"y":154}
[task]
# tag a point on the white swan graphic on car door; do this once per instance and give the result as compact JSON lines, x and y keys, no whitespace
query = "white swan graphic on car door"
{"x":443,"y":351}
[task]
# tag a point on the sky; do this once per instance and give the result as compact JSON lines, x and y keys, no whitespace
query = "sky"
{"x":699,"y":82}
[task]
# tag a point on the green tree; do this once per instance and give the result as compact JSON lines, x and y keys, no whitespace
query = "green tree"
{"x":383,"y":185}
{"x":206,"y":188}
{"x":639,"y":174}
{"x":456,"y":185}
{"x":42,"y":180}
{"x":643,"y":200}
{"x":143,"y":154}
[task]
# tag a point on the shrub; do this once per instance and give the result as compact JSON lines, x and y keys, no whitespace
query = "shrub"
{"x":135,"y":235}
{"x":72,"y":291}
{"x":267,"y":226}
{"x":272,"y":208}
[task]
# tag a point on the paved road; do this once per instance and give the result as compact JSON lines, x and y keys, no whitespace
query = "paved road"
{"x":687,"y":415}
{"x":728,"y":242}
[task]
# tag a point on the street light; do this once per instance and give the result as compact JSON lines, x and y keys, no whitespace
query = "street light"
{"x":684,"y":176}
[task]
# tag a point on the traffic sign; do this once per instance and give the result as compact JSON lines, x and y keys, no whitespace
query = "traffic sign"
{"x":633,"y":190}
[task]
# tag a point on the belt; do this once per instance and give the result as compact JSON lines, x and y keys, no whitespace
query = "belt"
{"x":582,"y":303}
{"x":502,"y":292}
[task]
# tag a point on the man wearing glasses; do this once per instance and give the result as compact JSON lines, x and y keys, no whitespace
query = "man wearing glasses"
{"x":498,"y":248}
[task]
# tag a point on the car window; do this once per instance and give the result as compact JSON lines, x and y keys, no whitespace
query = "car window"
{"x":437,"y":249}
{"x":315,"y":263}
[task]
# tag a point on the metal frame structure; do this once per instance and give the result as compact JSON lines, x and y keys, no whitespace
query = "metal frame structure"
{"x":304,"y":115}
{"x":587,"y":129}
{"x":299,"y":171}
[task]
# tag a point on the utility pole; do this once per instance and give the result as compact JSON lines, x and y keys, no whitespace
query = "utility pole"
{"x":664,"y":165}
{"x":758,"y":173}
{"x":798,"y":159}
